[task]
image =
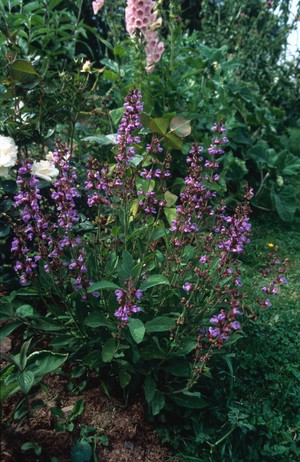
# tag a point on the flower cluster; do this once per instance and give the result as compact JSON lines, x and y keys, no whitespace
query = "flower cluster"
{"x":43,"y":238}
{"x":139,"y":16}
{"x":23,"y":245}
{"x":125,"y":141}
{"x":127,"y":299}
{"x":196,"y":199}
{"x":8,"y":155}
{"x":224,"y":325}
{"x":274,"y":276}
{"x":97,"y":183}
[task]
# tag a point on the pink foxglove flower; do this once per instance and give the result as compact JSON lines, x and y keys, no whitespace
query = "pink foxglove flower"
{"x":139,"y":16}
{"x":97,"y":5}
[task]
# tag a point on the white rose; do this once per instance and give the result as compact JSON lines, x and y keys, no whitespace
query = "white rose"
{"x":44,"y":170}
{"x":8,"y":154}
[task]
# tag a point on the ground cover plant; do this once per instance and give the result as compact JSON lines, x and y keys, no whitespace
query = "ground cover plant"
{"x":126,"y":204}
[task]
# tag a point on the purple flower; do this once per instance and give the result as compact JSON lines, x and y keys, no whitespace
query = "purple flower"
{"x":187,"y":287}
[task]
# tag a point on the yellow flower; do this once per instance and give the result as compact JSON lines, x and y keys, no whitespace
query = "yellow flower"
{"x":270,"y":244}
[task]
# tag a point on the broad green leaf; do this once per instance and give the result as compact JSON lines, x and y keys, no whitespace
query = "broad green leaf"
{"x":154,"y":280}
{"x":157,"y":403}
{"x":145,"y":119}
{"x":180,"y":126}
{"x":179,"y":367}
{"x":9,"y":389}
{"x":26,"y":380}
{"x":149,"y":388}
{"x":109,"y":349}
{"x":9,"y":328}
{"x":119,"y":51}
{"x":152,"y":352}
{"x":189,"y":400}
{"x":24,"y":311}
{"x":285,"y":202}
{"x":127,"y":260}
{"x":43,"y":362}
{"x":124,"y":377}
{"x":171,"y":214}
{"x":97,"y":320}
{"x":103,"y":140}
{"x":137,"y":329}
{"x":159,"y":125}
{"x":46,"y":324}
{"x":160,"y":324}
{"x":101,"y":285}
{"x":174,"y":141}
{"x":170,"y":198}
{"x":116,"y":114}
{"x":81,"y":452}
{"x":110,"y":75}
{"x":53,"y":4}
{"x":22,"y":71}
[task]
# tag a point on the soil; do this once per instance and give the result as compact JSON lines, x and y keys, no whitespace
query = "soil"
{"x":117,"y":433}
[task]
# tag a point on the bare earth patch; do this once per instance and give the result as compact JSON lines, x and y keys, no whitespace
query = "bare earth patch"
{"x":130,"y":438}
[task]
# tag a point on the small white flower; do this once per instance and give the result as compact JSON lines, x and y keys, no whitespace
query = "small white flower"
{"x":86,"y":66}
{"x":44,"y":170}
{"x":8,"y":154}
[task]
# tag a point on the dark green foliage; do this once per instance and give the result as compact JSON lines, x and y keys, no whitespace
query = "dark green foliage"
{"x":254,"y":407}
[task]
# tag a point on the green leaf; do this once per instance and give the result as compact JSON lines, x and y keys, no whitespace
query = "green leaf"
{"x":101,"y":285}
{"x":145,"y":119}
{"x":159,"y":125}
{"x":171,"y":214}
{"x":98,"y":320}
{"x":26,"y":380}
{"x":149,"y":388}
{"x":137,"y":329}
{"x":179,"y":367}
{"x":23,"y":353}
{"x":189,"y":400}
{"x":285,"y":202}
{"x":157,"y":403}
{"x":116,"y":114}
{"x":110,"y":75}
{"x":11,"y":386}
{"x":124,"y":377}
{"x":53,"y":4}
{"x":119,"y":51}
{"x":29,"y":445}
{"x":8,"y":328}
{"x":103,"y":140}
{"x":81,"y":452}
{"x":127,"y":260}
{"x":154,"y":280}
{"x":43,"y":362}
{"x":109,"y":349}
{"x":174,"y":141}
{"x":77,"y":409}
{"x":22,"y":71}
{"x":24,"y":311}
{"x":160,"y":324}
{"x":170,"y":198}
